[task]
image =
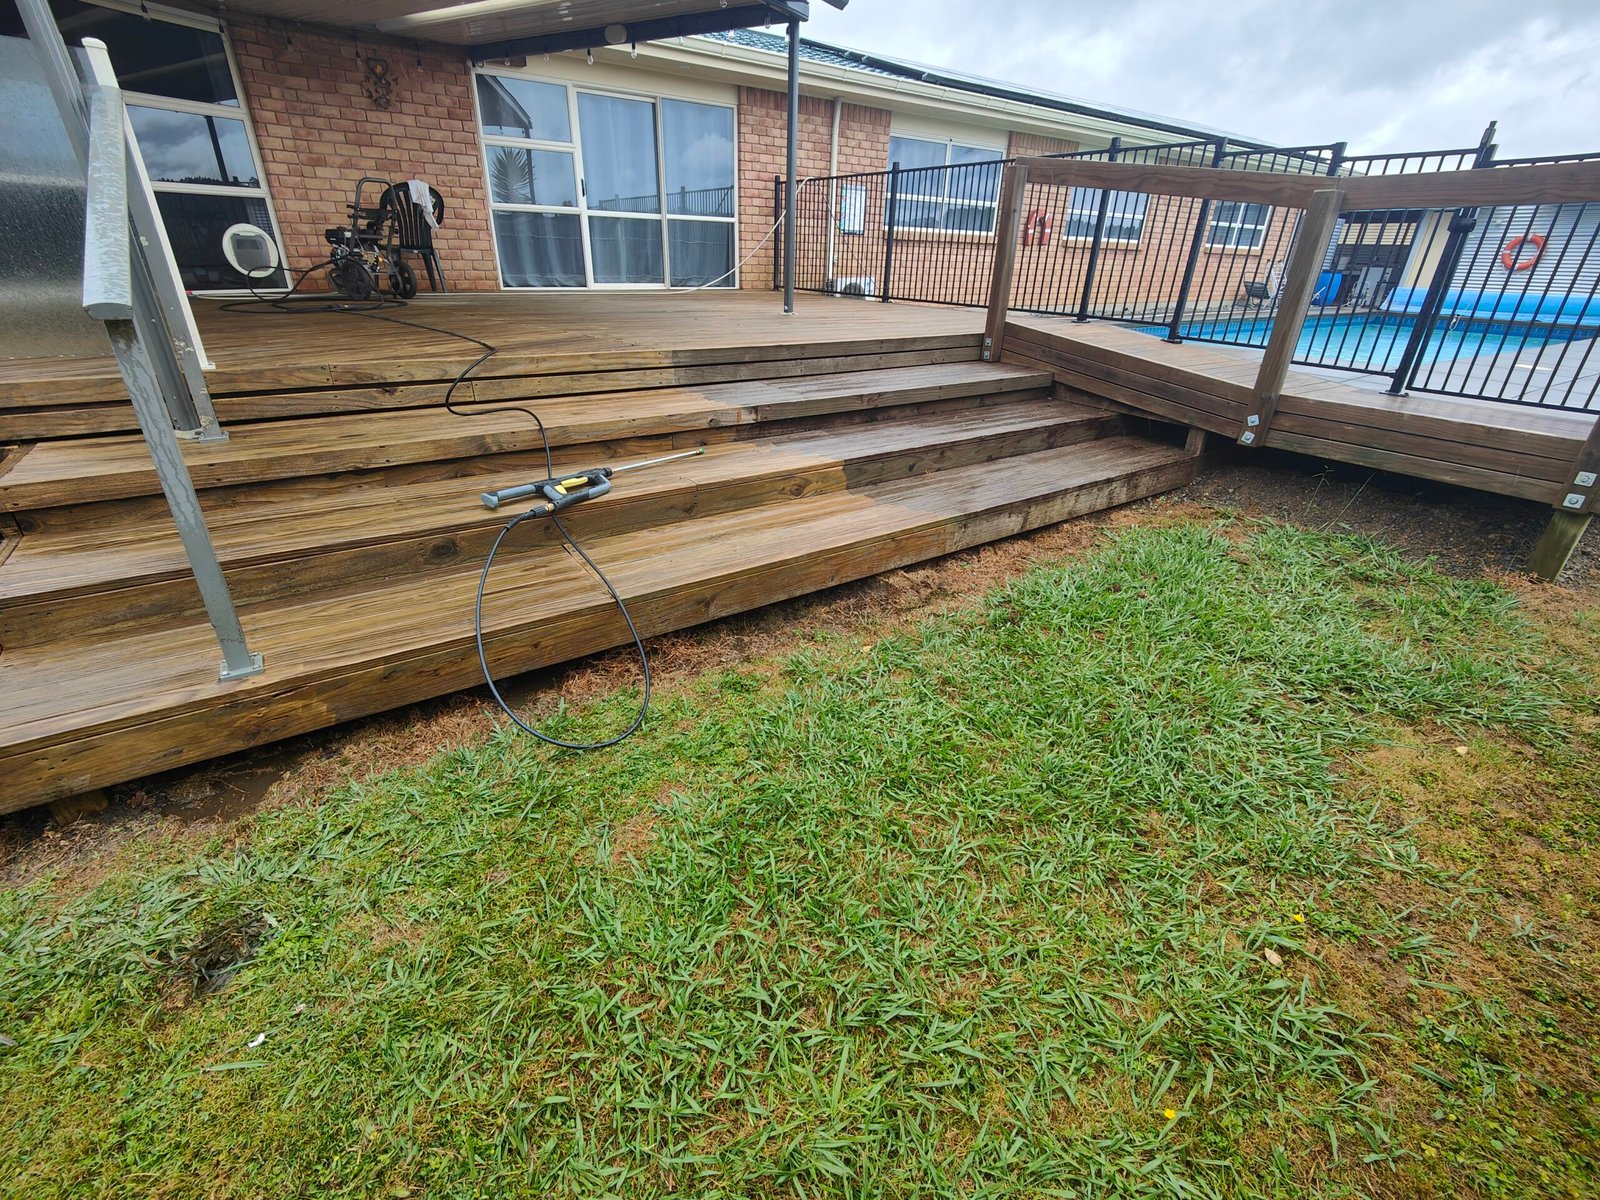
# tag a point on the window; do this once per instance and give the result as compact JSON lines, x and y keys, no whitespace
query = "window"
{"x":1124,"y":215}
{"x":588,"y":188}
{"x":188,"y":118}
{"x":946,"y":185}
{"x":1238,"y":226}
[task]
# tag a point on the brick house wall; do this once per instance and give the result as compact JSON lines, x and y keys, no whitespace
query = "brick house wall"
{"x":763,"y":122}
{"x":319,"y":133}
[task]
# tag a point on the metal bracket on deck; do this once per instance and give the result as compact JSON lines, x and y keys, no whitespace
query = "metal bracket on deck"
{"x":255,"y":666}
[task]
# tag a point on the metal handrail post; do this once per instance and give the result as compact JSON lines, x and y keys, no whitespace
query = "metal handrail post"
{"x":891,"y":215}
{"x":1193,"y":261}
{"x":1462,"y":222}
{"x":112,"y":293}
{"x":169,"y":316}
{"x":1099,"y":233}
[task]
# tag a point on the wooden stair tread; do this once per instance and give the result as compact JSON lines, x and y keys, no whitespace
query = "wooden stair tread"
{"x":67,"y":472}
{"x":272,"y":522}
{"x":541,"y":606}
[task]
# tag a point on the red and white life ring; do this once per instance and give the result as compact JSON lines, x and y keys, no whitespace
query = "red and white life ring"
{"x":1508,"y":256}
{"x":1036,"y":227}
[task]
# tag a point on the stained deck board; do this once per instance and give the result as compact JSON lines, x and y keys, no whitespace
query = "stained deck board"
{"x":1511,"y":449}
{"x":543,"y":334}
{"x":338,"y":533}
{"x":151,"y":701}
{"x":113,"y":467}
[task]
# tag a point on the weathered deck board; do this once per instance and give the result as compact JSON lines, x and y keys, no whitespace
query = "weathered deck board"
{"x":146,"y":702}
{"x":1510,"y":449}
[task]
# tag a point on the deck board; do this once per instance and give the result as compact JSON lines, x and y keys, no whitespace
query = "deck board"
{"x":1514,"y":450}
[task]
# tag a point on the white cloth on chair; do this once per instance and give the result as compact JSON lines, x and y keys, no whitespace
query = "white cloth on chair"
{"x":422,"y":197}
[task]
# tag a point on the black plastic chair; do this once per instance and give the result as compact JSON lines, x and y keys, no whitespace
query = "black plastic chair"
{"x":1256,"y":293}
{"x":412,"y":233}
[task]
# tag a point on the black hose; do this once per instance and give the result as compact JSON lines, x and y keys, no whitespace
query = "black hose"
{"x":289,"y":303}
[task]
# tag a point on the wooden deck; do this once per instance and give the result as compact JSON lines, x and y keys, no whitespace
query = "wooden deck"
{"x":843,"y":441}
{"x":1514,"y":450}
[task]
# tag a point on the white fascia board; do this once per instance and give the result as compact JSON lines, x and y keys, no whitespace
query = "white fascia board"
{"x":755,"y":68}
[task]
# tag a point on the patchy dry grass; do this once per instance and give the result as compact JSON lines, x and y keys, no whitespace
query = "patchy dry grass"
{"x":1228,"y":860}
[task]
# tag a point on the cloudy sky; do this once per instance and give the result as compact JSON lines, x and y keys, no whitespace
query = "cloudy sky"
{"x":1382,"y":74}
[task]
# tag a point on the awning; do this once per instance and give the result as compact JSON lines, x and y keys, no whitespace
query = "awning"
{"x":492,"y":29}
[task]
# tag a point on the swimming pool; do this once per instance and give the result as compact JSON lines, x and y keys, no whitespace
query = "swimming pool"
{"x":1375,"y":342}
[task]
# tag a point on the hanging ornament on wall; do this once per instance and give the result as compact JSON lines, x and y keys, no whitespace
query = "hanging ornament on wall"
{"x":378,"y":85}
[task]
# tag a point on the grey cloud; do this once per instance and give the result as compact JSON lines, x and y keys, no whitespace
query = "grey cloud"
{"x":1385,"y":76}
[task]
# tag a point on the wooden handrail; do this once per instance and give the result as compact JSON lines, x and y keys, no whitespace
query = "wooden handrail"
{"x":1204,"y":183}
{"x":1545,"y":183}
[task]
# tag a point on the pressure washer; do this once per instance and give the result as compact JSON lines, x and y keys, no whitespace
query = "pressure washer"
{"x":562,"y":494}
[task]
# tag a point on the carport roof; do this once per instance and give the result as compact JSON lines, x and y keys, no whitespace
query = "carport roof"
{"x":504,"y":28}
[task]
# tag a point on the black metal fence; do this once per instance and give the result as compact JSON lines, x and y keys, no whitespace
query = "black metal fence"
{"x":1493,"y":303}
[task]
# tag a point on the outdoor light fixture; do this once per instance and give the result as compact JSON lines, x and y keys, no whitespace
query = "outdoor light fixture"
{"x":616,"y":34}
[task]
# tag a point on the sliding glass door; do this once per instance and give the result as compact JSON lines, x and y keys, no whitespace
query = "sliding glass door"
{"x":622,"y":187}
{"x":598,"y":189}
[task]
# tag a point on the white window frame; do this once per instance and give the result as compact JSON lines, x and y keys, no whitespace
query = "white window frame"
{"x":1239,"y":227}
{"x":582,"y":210}
{"x":1078,"y":206}
{"x":137,"y":99}
{"x":949,"y":143}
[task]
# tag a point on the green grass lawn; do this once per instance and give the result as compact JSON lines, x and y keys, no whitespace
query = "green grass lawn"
{"x":1224,"y":860}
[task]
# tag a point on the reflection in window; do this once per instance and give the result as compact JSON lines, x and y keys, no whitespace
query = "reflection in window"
{"x":619,"y":153}
{"x":159,"y":58}
{"x":195,"y":224}
{"x":1124,"y":215}
{"x":522,"y":108}
{"x":945,"y":185}
{"x":182,"y":147}
{"x":521,"y":175}
{"x":698,"y":148}
{"x":1235,"y":225}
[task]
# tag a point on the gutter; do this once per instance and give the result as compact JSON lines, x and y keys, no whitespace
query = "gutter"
{"x":1016,"y":95}
{"x":761,"y":68}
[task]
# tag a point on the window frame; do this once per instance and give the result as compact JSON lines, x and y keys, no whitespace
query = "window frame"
{"x":240,"y":112}
{"x":582,"y":210}
{"x":943,"y":201}
{"x":1237,"y":226}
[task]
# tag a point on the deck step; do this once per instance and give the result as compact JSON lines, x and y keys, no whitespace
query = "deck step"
{"x":113,"y":566}
{"x":142,"y":702}
{"x":55,"y":473}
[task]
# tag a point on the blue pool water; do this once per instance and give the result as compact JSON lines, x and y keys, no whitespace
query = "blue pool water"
{"x":1375,"y":342}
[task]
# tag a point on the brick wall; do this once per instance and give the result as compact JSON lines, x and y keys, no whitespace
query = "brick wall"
{"x":763,"y":120}
{"x":1031,"y":145}
{"x":319,"y":133}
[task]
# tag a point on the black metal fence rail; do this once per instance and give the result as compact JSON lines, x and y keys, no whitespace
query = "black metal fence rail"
{"x":1439,"y":301}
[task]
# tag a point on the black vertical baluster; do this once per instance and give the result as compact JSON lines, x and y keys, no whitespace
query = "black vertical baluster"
{"x":1174,"y":330}
{"x":777,"y":236}
{"x":1099,"y":233}
{"x":889,"y":220}
{"x":1462,"y":223}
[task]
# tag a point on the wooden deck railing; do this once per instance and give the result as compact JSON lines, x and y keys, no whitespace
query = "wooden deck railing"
{"x":1319,"y":200}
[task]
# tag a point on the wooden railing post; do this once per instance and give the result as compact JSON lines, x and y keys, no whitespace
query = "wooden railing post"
{"x":1294,"y":301}
{"x":1573,"y":513}
{"x":1008,"y":223}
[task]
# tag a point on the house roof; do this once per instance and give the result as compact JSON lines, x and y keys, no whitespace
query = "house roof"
{"x":844,"y":58}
